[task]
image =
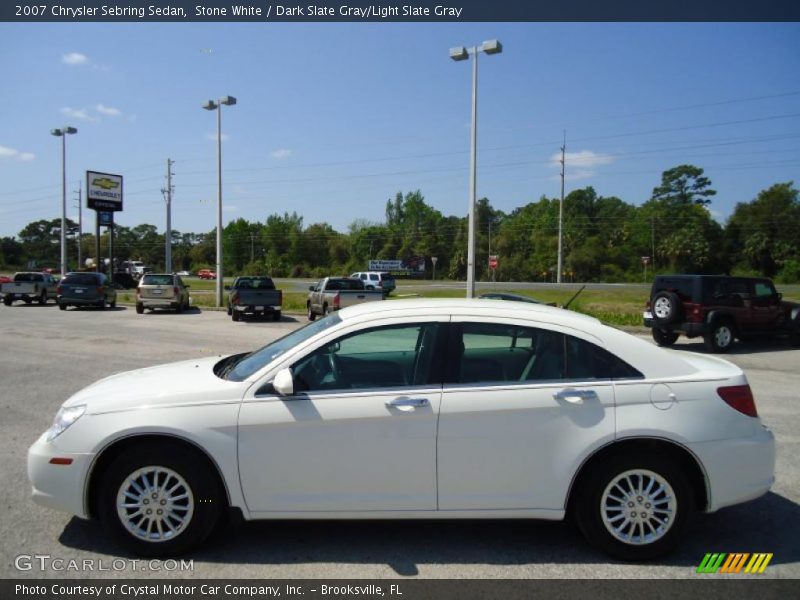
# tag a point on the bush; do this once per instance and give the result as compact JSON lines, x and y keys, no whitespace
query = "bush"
{"x":789,"y":273}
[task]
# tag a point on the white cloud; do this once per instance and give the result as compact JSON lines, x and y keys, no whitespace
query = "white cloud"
{"x":281,"y":153}
{"x":584,"y":158}
{"x":108,"y":110}
{"x":74,"y":58}
{"x":77,"y":113}
{"x":6,"y":152}
{"x":229,"y":208}
{"x":213,"y":136}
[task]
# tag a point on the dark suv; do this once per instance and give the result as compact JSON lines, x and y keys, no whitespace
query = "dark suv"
{"x":719,"y":309}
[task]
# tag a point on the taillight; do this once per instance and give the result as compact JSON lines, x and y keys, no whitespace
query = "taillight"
{"x":235,"y":297}
{"x":336,"y":302}
{"x":694,"y":312}
{"x":175,"y":291}
{"x":101,"y":290}
{"x":58,"y":290}
{"x":280,"y":296}
{"x":739,"y":397}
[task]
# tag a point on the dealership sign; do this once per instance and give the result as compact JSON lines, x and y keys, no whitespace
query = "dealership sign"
{"x":414,"y":264}
{"x":104,"y":191}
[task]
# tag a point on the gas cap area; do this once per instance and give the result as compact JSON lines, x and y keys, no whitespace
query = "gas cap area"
{"x":662,"y":396}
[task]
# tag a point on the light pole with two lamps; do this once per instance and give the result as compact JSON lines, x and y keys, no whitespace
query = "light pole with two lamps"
{"x":212,"y":105}
{"x":462,"y":53}
{"x":62,"y":133}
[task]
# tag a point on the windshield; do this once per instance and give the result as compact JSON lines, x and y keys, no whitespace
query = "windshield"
{"x":242,"y":368}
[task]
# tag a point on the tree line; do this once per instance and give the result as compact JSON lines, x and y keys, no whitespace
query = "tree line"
{"x":604,"y":238}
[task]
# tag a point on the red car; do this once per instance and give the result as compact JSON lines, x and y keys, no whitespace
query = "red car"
{"x":206,"y":274}
{"x":5,"y":279}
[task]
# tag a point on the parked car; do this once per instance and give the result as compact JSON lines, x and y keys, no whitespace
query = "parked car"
{"x":206,"y":274}
{"x":720,"y":309}
{"x":29,"y":286}
{"x":162,"y":290}
{"x":184,"y":273}
{"x":414,"y":409}
{"x":254,"y":296}
{"x":334,"y":293}
{"x":86,"y":289}
{"x":377,"y":280}
{"x":125,"y":280}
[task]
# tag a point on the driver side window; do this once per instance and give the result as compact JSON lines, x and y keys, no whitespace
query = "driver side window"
{"x":381,"y":357}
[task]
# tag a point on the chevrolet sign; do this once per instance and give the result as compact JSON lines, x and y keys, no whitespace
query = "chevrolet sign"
{"x":104,"y":191}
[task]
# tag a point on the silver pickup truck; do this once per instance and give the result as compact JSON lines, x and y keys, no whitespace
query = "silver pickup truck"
{"x":29,"y":287}
{"x":333,"y":293}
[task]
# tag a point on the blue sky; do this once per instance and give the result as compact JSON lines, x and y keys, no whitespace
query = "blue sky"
{"x":334,"y":119}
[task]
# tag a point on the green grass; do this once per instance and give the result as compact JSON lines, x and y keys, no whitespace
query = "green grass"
{"x":620,"y":306}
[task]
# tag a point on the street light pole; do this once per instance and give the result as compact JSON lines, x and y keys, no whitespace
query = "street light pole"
{"x":211,"y":105}
{"x":457,"y":54}
{"x":62,"y":133}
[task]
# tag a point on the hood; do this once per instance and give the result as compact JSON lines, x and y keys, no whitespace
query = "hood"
{"x":174,"y":384}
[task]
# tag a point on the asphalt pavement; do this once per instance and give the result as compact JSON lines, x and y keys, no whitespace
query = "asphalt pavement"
{"x":46,"y":355}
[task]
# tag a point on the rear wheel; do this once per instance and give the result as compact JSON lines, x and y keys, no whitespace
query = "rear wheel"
{"x":139,"y":308}
{"x":235,"y":315}
{"x":62,"y":306}
{"x":158,"y":500}
{"x":7,"y":300}
{"x":113,"y":303}
{"x":325,"y":311}
{"x":276,"y":316}
{"x":664,"y":337}
{"x":720,"y":337}
{"x":27,"y":300}
{"x":179,"y":307}
{"x":634,"y":507}
{"x":311,"y":315}
{"x":43,"y":298}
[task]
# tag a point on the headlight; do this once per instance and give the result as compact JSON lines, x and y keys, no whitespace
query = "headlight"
{"x":65,"y":417}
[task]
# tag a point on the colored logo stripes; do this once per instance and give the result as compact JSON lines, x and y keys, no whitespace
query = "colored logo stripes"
{"x":733,"y":563}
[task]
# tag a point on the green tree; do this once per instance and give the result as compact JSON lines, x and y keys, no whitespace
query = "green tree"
{"x":682,"y":185}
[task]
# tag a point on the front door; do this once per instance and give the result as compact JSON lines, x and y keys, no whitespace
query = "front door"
{"x":358,"y":435}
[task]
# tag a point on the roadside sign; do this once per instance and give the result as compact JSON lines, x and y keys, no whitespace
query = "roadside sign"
{"x":104,"y":191}
{"x":645,"y":260}
{"x":493,"y":261}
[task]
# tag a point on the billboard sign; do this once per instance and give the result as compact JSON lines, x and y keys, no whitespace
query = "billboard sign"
{"x":415,"y":264}
{"x":104,"y":191}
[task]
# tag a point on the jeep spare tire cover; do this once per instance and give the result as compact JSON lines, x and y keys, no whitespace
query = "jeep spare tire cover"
{"x":667,"y":308}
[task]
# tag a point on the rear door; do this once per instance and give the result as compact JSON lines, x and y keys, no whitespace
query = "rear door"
{"x":521,"y":408}
{"x":157,"y":287}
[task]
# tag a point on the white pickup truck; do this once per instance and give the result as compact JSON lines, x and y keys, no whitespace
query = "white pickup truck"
{"x":333,"y":293}
{"x":28,"y":286}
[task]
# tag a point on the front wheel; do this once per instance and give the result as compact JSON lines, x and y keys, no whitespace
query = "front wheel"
{"x":43,"y":298}
{"x":139,"y":308}
{"x":158,"y":501}
{"x":664,"y":337}
{"x":634,"y":507}
{"x":62,"y":306}
{"x":720,"y":337}
{"x":276,"y":316}
{"x":7,"y":300}
{"x":235,"y":315}
{"x":311,"y":314}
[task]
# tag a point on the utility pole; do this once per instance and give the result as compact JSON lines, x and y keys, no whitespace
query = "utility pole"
{"x":252,"y":247}
{"x":168,"y":235}
{"x":653,"y":239}
{"x":561,"y":214}
{"x":80,"y":224}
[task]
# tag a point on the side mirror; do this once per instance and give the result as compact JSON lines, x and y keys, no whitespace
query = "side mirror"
{"x":779,"y":296}
{"x":284,"y":382}
{"x":311,"y":288}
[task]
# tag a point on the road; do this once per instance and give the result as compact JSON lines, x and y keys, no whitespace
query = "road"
{"x":47,"y":354}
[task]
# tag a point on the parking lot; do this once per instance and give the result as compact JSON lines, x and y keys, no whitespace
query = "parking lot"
{"x":47,"y":354}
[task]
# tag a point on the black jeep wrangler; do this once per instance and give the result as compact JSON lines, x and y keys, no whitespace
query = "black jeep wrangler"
{"x":720,"y":309}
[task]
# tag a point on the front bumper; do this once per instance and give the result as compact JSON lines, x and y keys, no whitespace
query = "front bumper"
{"x":738,"y":469}
{"x":58,"y":486}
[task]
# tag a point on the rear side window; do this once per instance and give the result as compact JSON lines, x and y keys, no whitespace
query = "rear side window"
{"x":373,"y":277}
{"x":387,"y":277}
{"x":82,"y":279}
{"x":22,"y":277}
{"x":157,"y":280}
{"x":496,"y":353}
{"x":683,"y":286}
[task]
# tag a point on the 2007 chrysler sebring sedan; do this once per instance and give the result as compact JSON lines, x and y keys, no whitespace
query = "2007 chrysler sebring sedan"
{"x":414,"y":409}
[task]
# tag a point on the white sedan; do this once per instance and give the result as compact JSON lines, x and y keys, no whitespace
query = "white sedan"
{"x":414,"y":409}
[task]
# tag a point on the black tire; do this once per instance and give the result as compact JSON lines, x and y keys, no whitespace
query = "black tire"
{"x":27,"y":300}
{"x":102,"y":304}
{"x":139,"y":308}
{"x":7,"y":300}
{"x":720,"y":336}
{"x":113,"y":304}
{"x":667,"y":308}
{"x":203,"y":488}
{"x":43,"y":298}
{"x":179,"y":307}
{"x":311,"y":314}
{"x":276,"y":316}
{"x":229,"y":310}
{"x":235,"y":315}
{"x":590,"y":509}
{"x":325,"y":310}
{"x":62,"y":306}
{"x":664,"y":337}
{"x":794,"y":336}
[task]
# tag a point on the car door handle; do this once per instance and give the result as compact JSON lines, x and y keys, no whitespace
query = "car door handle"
{"x":407,"y":402}
{"x":575,"y":396}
